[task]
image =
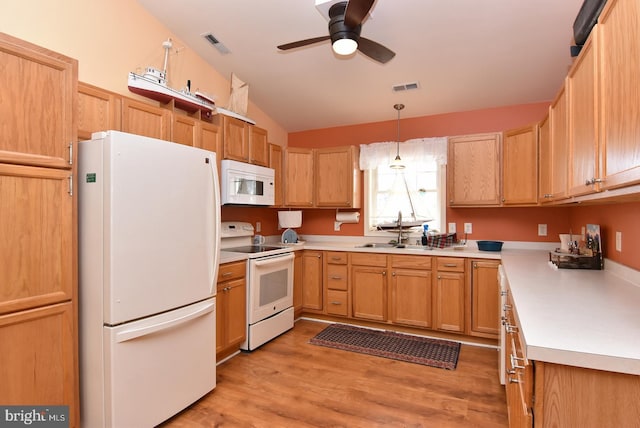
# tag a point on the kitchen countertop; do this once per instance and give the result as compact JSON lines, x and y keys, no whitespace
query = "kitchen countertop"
{"x":577,"y":317}
{"x":584,"y":318}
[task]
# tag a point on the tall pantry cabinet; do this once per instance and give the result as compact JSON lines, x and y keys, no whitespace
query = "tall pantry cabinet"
{"x":38,"y":242}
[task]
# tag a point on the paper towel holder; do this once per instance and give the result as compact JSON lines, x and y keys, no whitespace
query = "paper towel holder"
{"x":345,"y":217}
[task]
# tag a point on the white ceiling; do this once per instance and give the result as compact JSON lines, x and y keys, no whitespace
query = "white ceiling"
{"x":465,"y":54}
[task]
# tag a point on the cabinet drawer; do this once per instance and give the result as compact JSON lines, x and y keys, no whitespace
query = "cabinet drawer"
{"x":368,"y":259}
{"x":337,"y":277}
{"x":337,"y":302}
{"x":452,"y":264}
{"x":411,"y":262}
{"x":337,"y":257}
{"x":234,"y":270}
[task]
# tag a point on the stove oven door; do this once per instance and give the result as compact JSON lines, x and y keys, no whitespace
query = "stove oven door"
{"x":270,"y":286}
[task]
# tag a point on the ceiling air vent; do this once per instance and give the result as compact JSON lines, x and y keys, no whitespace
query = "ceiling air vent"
{"x":216,"y":43}
{"x":405,"y":86}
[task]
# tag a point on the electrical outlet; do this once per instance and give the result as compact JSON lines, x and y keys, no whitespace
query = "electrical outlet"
{"x":468,"y":228}
{"x":258,"y":226}
{"x":542,"y":230}
{"x":452,"y":228}
{"x":336,"y":225}
{"x":618,"y":241}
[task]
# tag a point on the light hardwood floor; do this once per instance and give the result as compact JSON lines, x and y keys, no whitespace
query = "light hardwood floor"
{"x":291,"y":383}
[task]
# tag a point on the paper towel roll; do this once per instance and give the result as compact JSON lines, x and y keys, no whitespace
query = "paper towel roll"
{"x":288,"y":219}
{"x":348,"y":217}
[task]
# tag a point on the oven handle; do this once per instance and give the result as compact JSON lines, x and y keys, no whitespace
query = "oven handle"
{"x":269,"y":259}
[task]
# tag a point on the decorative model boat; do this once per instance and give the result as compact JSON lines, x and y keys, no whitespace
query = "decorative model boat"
{"x":153,"y":84}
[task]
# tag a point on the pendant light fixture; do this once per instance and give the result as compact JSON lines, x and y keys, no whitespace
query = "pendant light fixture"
{"x":397,"y":162}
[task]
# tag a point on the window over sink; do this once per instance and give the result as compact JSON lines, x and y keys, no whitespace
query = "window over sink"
{"x":418,"y":190}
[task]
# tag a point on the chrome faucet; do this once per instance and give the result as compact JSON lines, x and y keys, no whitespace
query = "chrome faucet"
{"x":399,"y":222}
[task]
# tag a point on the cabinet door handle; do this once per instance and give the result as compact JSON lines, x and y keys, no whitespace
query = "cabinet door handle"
{"x":384,"y":273}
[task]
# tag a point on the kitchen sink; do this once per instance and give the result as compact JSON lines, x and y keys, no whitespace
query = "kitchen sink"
{"x":376,"y":245}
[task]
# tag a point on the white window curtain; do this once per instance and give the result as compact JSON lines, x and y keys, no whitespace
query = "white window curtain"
{"x":418,"y":150}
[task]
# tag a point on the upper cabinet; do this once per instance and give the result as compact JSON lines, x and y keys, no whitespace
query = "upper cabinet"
{"x":559,"y":136}
{"x":145,"y":119}
{"x":520,"y":166}
{"x":38,"y":92}
{"x":619,"y":79}
{"x":544,"y":162}
{"x":258,"y":146}
{"x":337,"y":177}
{"x":474,"y":170}
{"x":298,"y":177}
{"x":235,"y":138}
{"x":98,"y":110}
{"x":323,"y":178}
{"x":583,"y":120}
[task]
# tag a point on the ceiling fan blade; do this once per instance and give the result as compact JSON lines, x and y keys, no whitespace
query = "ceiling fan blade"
{"x":356,"y":11}
{"x":375,"y":50}
{"x":301,"y":43}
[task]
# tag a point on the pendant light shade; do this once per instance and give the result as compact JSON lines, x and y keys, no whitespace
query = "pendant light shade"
{"x":397,"y":162}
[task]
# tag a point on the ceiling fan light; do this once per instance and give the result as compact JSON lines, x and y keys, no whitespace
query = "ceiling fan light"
{"x":345,"y":46}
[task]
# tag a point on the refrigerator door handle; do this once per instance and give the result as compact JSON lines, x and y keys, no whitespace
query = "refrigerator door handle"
{"x":217,"y":225}
{"x":134,"y":333}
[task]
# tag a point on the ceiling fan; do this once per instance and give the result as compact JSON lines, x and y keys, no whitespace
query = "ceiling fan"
{"x":345,"y":24}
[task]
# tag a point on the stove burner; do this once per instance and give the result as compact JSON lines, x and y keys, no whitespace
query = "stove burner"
{"x":252,"y":249}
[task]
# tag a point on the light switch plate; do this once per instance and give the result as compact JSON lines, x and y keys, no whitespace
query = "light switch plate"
{"x":618,"y":241}
{"x":258,"y":226}
{"x":468,"y":228}
{"x":452,"y":228}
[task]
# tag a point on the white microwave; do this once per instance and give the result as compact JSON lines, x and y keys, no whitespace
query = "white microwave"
{"x":246,"y":184}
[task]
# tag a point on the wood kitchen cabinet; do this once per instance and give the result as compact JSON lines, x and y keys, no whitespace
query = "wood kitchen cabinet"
{"x":235,"y":137}
{"x":185,"y":130}
{"x":336,"y":282}
{"x":145,"y":119}
{"x":520,"y":166}
{"x":38,"y":224}
{"x":276,"y":162}
{"x":411,"y":291}
{"x":298,"y":177}
{"x":619,"y":79}
{"x":449,"y":295}
{"x":485,"y":299}
{"x":231,"y":300}
{"x":312,"y":290}
{"x":583,"y":120}
{"x":258,"y":146}
{"x":369,"y":286}
{"x":337,"y":177}
{"x":559,"y":139}
{"x":473,"y":170}
{"x":210,"y":138}
{"x":98,"y":110}
{"x":544,"y":153}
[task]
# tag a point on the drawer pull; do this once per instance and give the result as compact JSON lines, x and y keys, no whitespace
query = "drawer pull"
{"x":511,"y":328}
{"x":336,"y":303}
{"x":513,"y":380}
{"x":336,"y":258}
{"x":514,"y":362}
{"x":450,"y":265}
{"x":227,"y":274}
{"x":336,"y":277}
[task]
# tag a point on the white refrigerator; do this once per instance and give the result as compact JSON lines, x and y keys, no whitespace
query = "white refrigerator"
{"x":149,"y":234}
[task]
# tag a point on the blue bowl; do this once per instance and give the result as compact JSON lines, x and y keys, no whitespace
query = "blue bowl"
{"x":490,"y":245}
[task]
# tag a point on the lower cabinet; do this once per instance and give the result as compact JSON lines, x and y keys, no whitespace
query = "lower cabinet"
{"x":336,"y":277}
{"x":411,"y":291}
{"x":449,"y":295}
{"x":312,"y":281}
{"x":485,"y":299}
{"x":231,"y":298}
{"x":369,"y":286}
